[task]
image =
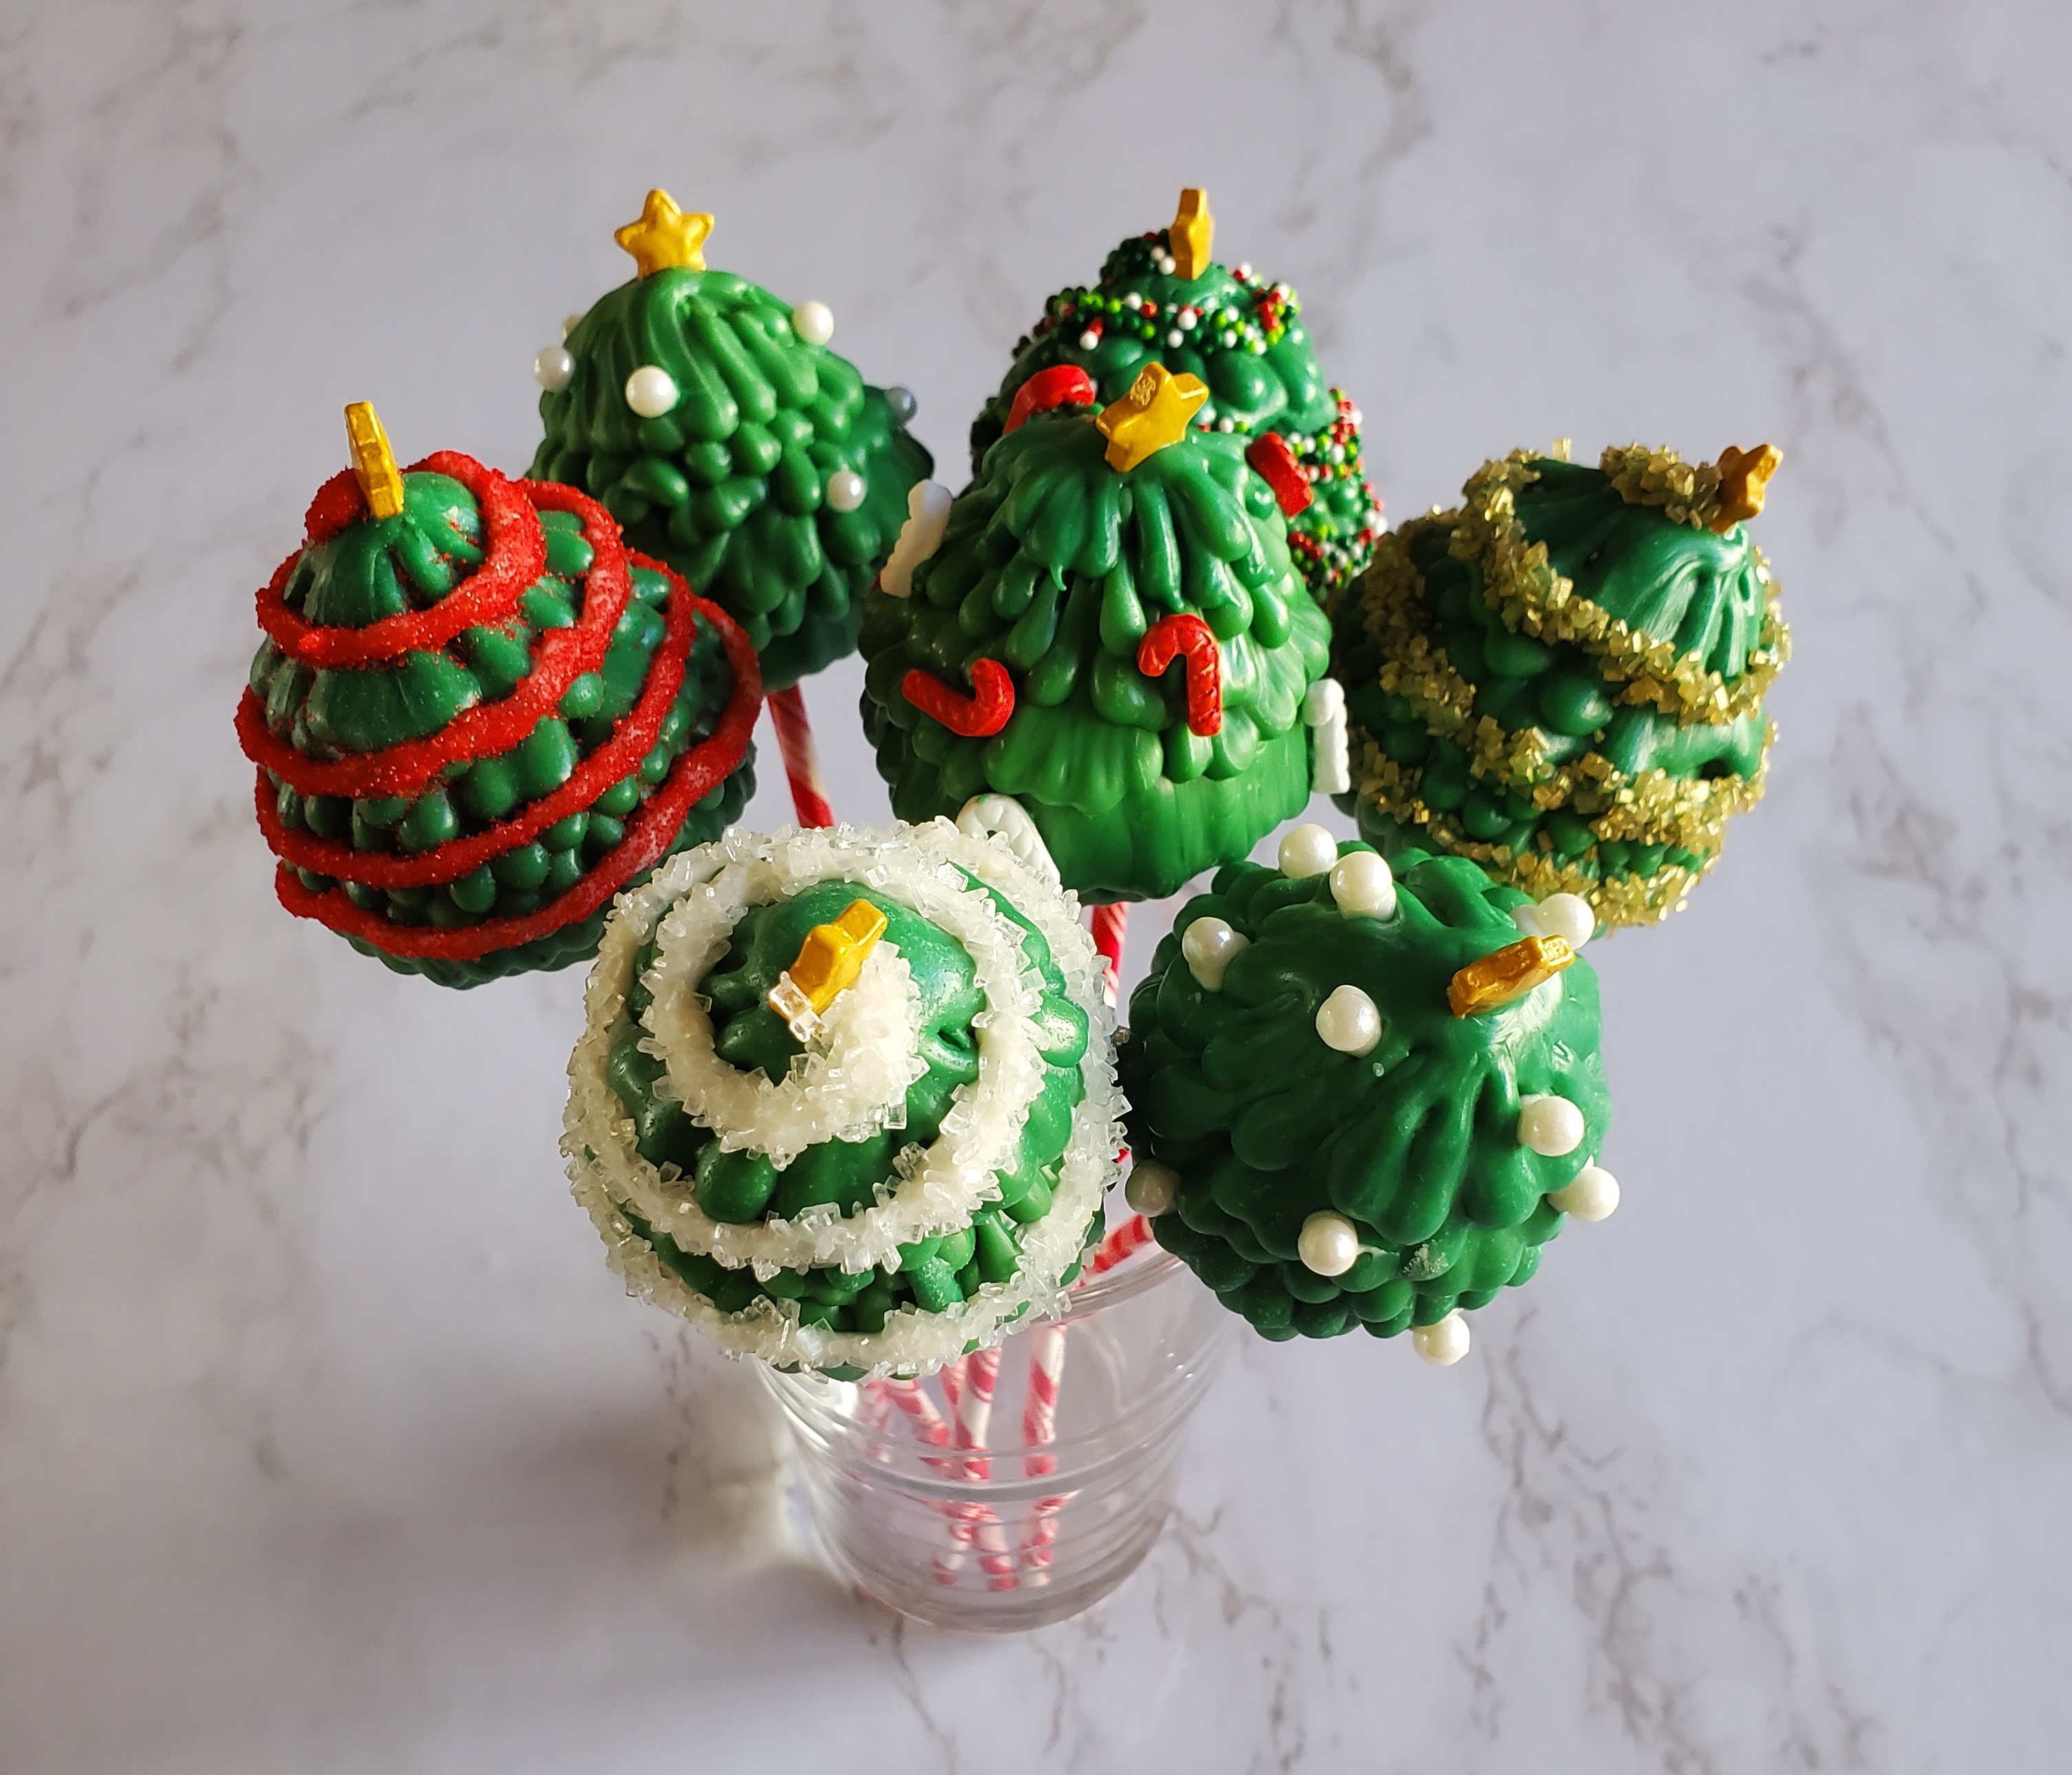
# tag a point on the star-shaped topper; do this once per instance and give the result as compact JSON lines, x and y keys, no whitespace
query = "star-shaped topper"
{"x":373,"y":462}
{"x":1155,"y":412}
{"x":1191,"y":235}
{"x":1743,"y":475}
{"x":665,"y":237}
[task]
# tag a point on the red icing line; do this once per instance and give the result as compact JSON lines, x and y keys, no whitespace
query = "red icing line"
{"x":1187,"y":634}
{"x":1275,"y":463}
{"x":515,"y":555}
{"x":976,"y":716}
{"x":488,"y":730}
{"x":695,"y":774}
{"x":1055,"y":387}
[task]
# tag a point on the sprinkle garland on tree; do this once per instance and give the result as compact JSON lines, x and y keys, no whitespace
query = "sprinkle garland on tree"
{"x":476,"y":718}
{"x":1366,"y":1097}
{"x":713,"y":422}
{"x":1562,"y":680}
{"x":846,"y":1099}
{"x":1110,"y":632}
{"x":1162,"y":296}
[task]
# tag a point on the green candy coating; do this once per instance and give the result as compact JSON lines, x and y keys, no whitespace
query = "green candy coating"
{"x":1056,"y":565}
{"x":1416,"y":1143}
{"x":728,"y":486}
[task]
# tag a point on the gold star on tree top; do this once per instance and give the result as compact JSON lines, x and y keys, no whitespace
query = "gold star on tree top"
{"x":1155,"y":412}
{"x":664,"y":236}
{"x":1744,"y":476}
{"x":1191,"y":235}
{"x":373,"y":462}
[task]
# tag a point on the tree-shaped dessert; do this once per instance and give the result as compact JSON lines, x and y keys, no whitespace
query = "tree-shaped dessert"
{"x":1562,"y":679}
{"x":1109,"y":631}
{"x":1162,"y":298}
{"x":1361,"y":1097}
{"x":846,"y":1099}
{"x":476,"y":718}
{"x":713,"y":422}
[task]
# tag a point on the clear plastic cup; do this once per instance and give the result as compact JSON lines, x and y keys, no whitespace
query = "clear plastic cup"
{"x":1022,"y":1532}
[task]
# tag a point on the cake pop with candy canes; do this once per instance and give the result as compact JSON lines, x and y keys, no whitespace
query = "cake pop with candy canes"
{"x":1366,"y":1096}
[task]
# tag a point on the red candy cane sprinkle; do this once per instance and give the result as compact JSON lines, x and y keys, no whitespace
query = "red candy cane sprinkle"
{"x":984,"y":713}
{"x":1274,"y":463}
{"x":1187,"y":635}
{"x":1063,"y":384}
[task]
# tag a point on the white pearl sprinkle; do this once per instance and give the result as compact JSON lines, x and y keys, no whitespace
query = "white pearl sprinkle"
{"x":1568,"y":916}
{"x":814,"y":321}
{"x":650,"y":391}
{"x":1152,"y":1189}
{"x":1364,"y":886}
{"x":1208,"y":946}
{"x":554,"y":368}
{"x":1226,"y":423}
{"x":1348,"y":1022}
{"x":1306,"y":851}
{"x":1592,"y":1194}
{"x":1132,"y":300}
{"x":1089,"y":340}
{"x":1444,"y":1342}
{"x":846,"y":489}
{"x":1552,"y":1126}
{"x":570,"y":323}
{"x":1176,"y":337}
{"x":1168,"y":264}
{"x":1329,"y":1243}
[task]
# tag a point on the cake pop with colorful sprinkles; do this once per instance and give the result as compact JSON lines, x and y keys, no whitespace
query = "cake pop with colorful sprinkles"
{"x":1363,"y":1095}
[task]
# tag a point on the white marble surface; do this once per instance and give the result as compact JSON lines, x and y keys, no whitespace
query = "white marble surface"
{"x":327,"y":1441}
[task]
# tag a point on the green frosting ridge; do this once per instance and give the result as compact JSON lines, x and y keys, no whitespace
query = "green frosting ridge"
{"x":1415,"y":1143}
{"x":1247,"y":341}
{"x":729,"y":486}
{"x":1056,"y":565}
{"x":741,"y":1186}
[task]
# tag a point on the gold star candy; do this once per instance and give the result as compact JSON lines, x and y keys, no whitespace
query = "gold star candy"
{"x":1506,"y":974}
{"x":665,"y":237}
{"x":1155,"y":412}
{"x":373,"y":462}
{"x":1744,"y":474}
{"x":828,"y":962}
{"x":1192,"y":233}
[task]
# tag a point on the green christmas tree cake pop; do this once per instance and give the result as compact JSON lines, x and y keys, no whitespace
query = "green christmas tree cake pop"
{"x":1105,"y":627}
{"x":846,"y":1100}
{"x":1562,"y":680}
{"x":476,"y":718}
{"x":714,"y":424}
{"x":1361,"y":1097}
{"x":1162,"y":298}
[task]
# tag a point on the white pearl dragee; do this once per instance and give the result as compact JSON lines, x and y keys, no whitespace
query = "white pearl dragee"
{"x":1443,"y":1342}
{"x":1307,"y":850}
{"x":1329,"y":1243}
{"x":650,"y":391}
{"x":814,"y":321}
{"x":1592,"y":1194}
{"x":1567,"y":916}
{"x":1152,"y":1188}
{"x":1348,"y":1022}
{"x":1167,"y":264}
{"x":554,"y":368}
{"x":570,"y":323}
{"x":1208,"y":946}
{"x":846,"y":489}
{"x":1088,"y":341}
{"x":1552,"y":1126}
{"x":1176,"y":338}
{"x":1364,"y":886}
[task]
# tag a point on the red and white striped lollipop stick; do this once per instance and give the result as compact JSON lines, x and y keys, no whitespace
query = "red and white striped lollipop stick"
{"x":1110,"y":929}
{"x":802,"y":762}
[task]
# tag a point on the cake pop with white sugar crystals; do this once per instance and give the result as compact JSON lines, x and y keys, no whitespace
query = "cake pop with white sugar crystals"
{"x":1366,"y":1095}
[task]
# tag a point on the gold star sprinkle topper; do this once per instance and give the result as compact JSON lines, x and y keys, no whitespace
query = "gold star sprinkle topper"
{"x":1506,"y":974}
{"x":1155,"y":412}
{"x":828,"y":962}
{"x":665,"y":237}
{"x":373,"y":462}
{"x":1192,"y":233}
{"x":1743,"y":475}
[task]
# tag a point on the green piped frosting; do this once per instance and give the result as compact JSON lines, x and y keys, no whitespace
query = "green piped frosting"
{"x":729,"y":486}
{"x":1415,"y":1143}
{"x":1562,"y":682}
{"x":1056,"y":565}
{"x":740,"y":1186}
{"x":379,"y":567}
{"x":1249,"y":345}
